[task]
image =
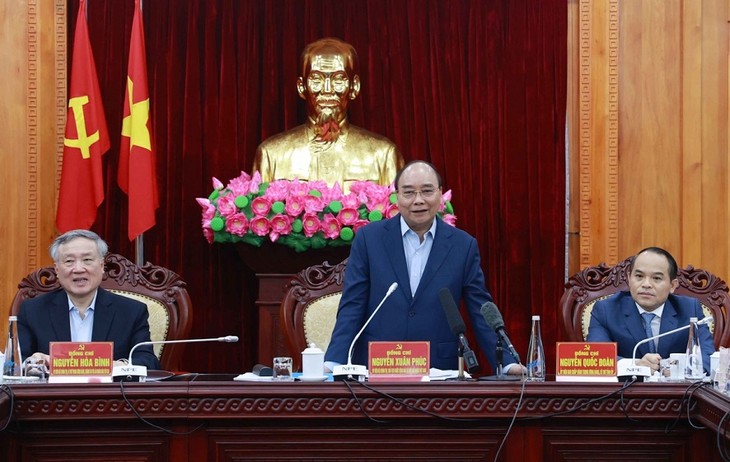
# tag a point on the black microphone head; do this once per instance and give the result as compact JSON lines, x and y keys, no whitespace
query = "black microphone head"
{"x":491,"y":315}
{"x":456,"y":322}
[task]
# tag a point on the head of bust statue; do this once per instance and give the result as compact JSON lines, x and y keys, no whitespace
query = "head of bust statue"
{"x":328,"y":82}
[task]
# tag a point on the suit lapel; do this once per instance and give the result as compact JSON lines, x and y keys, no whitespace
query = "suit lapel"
{"x":634,"y":324}
{"x":669,"y":322}
{"x":393,"y":244}
{"x":103,"y":316}
{"x":59,"y":314}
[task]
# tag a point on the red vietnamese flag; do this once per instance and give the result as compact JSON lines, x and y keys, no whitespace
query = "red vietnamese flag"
{"x":86,"y":138}
{"x":137,"y":175}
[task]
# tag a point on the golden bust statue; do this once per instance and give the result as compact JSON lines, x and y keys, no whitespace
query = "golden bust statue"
{"x":327,"y":147}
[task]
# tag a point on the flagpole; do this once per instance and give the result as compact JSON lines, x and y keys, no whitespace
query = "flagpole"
{"x":139,"y":250}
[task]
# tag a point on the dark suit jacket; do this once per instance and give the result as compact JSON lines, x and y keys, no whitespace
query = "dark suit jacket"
{"x":117,"y":319}
{"x":376,"y":261}
{"x":616,"y":319}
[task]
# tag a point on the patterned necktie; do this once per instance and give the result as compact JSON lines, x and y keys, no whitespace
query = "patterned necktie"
{"x":647,"y":326}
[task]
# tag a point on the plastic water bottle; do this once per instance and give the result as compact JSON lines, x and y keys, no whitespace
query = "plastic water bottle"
{"x":535,"y":353}
{"x":693,"y":369}
{"x":13,"y":360}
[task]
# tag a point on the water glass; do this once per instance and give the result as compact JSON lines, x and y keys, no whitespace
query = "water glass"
{"x":283,"y":369}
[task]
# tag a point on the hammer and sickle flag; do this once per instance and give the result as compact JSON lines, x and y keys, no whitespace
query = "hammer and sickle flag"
{"x":86,"y":138}
{"x":137,"y":175}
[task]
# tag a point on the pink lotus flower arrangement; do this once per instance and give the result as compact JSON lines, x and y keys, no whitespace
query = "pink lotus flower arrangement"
{"x":299,"y":214}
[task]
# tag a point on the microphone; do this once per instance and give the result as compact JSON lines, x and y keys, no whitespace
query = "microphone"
{"x":132,"y":373}
{"x":349,"y":370}
{"x":456,"y":323}
{"x":493,"y":318}
{"x":645,"y":371}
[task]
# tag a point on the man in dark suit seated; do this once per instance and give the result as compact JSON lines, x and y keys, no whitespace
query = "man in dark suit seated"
{"x":82,"y":311}
{"x":620,"y":318}
{"x":422,"y":254}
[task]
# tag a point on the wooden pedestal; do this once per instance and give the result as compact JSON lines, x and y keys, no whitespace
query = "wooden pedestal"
{"x":274,"y":266}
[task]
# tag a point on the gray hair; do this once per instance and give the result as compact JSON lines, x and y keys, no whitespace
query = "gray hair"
{"x":68,"y":236}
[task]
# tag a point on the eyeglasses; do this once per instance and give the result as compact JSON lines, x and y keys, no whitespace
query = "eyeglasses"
{"x":425,"y":193}
{"x":85,"y":262}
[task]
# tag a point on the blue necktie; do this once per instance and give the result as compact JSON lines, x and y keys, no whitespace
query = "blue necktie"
{"x":647,"y":326}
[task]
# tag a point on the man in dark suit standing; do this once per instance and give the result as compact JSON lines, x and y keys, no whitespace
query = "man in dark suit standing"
{"x":82,"y":311}
{"x":621,"y":317}
{"x":423,"y":255}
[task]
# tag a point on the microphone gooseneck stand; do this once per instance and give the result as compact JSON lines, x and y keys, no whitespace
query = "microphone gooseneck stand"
{"x":499,"y":375}
{"x":461,"y":375}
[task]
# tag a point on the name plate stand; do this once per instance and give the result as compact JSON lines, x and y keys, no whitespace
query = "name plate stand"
{"x":398,"y":361}
{"x":81,"y":362}
{"x":585,"y":362}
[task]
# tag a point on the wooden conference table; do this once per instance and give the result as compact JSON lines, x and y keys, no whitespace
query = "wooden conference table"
{"x":212,"y":418}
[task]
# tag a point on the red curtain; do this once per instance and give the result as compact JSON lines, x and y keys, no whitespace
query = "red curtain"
{"x":477,"y":87}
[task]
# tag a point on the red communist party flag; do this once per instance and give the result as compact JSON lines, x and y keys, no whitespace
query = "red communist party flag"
{"x":86,"y":138}
{"x":137,"y":176}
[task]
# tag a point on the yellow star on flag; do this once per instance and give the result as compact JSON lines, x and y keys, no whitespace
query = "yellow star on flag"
{"x":135,"y":124}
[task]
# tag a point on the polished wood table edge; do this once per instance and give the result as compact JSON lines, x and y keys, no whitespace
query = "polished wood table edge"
{"x":712,"y":410}
{"x":272,"y":401}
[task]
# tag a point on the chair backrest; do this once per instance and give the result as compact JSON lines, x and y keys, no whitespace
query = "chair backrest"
{"x":163,"y":291}
{"x":309,"y":307}
{"x":597,"y":282}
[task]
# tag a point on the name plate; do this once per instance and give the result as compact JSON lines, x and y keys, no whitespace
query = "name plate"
{"x":81,"y":362}
{"x":398,"y":361}
{"x":585,"y":362}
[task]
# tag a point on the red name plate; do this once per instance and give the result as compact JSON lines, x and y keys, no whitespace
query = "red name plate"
{"x":398,"y":361}
{"x":74,"y":359}
{"x":585,"y":361}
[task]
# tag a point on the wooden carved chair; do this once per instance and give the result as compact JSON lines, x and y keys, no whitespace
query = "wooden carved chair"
{"x":163,"y":291}
{"x":598,"y":282}
{"x":309,"y":307}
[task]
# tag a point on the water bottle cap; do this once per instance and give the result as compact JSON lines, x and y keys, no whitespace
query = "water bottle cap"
{"x":692,"y":319}
{"x":535,"y":317}
{"x":15,"y":318}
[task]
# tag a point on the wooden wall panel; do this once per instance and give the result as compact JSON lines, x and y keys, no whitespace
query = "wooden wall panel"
{"x":659,"y":174}
{"x":33,"y":34}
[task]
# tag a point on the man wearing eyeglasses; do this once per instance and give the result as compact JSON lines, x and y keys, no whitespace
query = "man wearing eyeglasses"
{"x":422,"y":254}
{"x":81,"y":311}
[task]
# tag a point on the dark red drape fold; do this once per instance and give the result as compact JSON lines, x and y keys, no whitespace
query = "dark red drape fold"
{"x":477,"y":87}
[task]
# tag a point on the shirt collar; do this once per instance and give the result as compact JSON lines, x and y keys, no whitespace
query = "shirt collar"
{"x":71,"y":306}
{"x":404,"y":228}
{"x":657,"y":312}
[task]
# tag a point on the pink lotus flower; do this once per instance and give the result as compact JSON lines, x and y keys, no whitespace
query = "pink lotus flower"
{"x":226,"y":205}
{"x":331,"y":194}
{"x":348,"y":216}
{"x":380,"y":203}
{"x":280,"y":224}
{"x":313,"y":204}
{"x":237,"y":224}
{"x":259,"y":226}
{"x":217,"y":185}
{"x":351,"y":201}
{"x":391,"y":211}
{"x":298,"y":188}
{"x":208,"y":208}
{"x":310,"y":224}
{"x":209,"y":235}
{"x":359,"y":224}
{"x":261,"y":206}
{"x":450,"y":219}
{"x":295,"y":206}
{"x":278,"y":190}
{"x":331,"y":227}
